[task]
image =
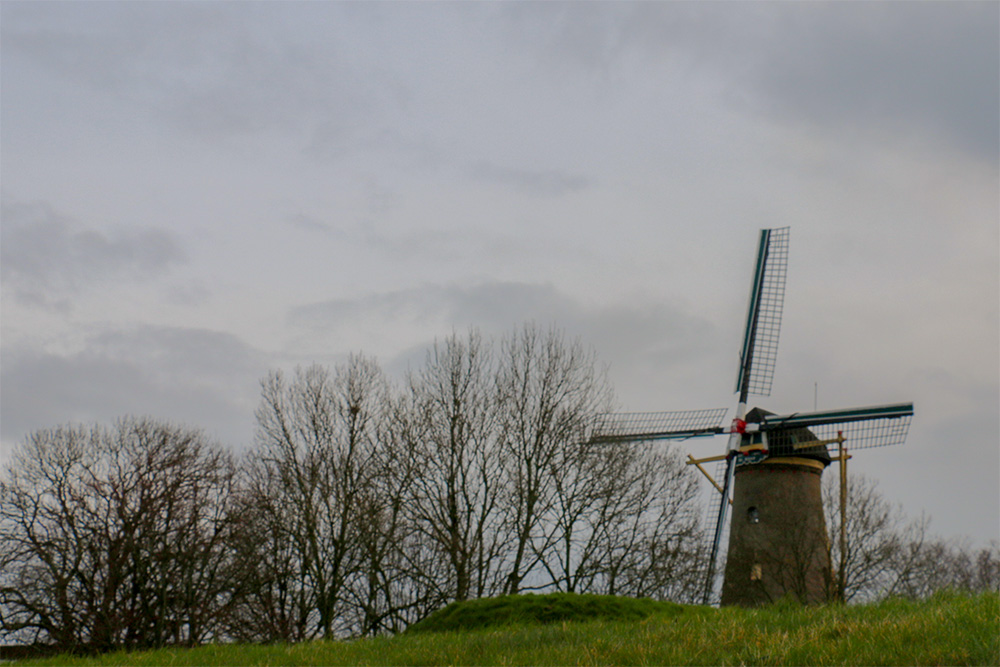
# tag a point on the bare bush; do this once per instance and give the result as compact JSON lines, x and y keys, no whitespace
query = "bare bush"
{"x":889,"y":554}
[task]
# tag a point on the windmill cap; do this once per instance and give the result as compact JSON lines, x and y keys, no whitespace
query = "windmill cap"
{"x":781,"y":442}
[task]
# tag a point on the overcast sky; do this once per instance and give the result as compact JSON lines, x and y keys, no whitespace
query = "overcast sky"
{"x":196,"y":193}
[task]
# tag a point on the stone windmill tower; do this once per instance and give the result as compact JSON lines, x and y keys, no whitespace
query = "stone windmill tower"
{"x":770,"y":473}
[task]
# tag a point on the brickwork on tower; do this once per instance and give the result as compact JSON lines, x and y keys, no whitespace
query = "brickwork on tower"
{"x":778,"y":544}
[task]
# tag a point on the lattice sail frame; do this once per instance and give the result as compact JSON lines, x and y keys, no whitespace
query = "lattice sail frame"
{"x":862,"y":428}
{"x":640,"y":426}
{"x":867,"y":434}
{"x":767,"y":297}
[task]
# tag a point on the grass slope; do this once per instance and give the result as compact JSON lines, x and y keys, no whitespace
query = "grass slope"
{"x":539,"y":609}
{"x":947,"y":630}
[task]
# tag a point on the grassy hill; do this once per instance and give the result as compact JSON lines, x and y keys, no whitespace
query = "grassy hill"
{"x":512,"y":610}
{"x":596,"y":630}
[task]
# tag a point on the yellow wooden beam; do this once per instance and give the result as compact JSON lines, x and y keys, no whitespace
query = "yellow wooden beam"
{"x":698,"y":462}
{"x":817,"y":443}
{"x":692,"y":460}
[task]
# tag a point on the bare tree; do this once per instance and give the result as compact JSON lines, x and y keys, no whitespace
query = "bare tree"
{"x":650,"y":528}
{"x":455,"y":499}
{"x":587,"y":482}
{"x":874,"y":538}
{"x":42,"y":548}
{"x":925,"y":565}
{"x":116,"y":537}
{"x":315,"y":463}
{"x":548,"y":392}
{"x":397,"y":581}
{"x":986,"y":569}
{"x":274,"y":603}
{"x":889,"y":554}
{"x":182,"y":518}
{"x":623,"y":519}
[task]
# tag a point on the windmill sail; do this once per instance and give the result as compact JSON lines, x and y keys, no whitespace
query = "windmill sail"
{"x":719,"y":528}
{"x":863,"y":428}
{"x":757,"y":359}
{"x":640,"y":426}
{"x":767,"y":296}
{"x":643,"y":426}
{"x":722,"y":470}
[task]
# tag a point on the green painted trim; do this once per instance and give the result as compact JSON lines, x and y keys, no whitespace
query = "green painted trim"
{"x":661,"y":435}
{"x":806,"y":419}
{"x":753,"y":312}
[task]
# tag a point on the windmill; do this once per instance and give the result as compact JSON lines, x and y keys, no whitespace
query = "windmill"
{"x":769,"y":473}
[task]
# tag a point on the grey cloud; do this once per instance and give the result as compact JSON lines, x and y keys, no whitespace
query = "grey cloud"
{"x":45,"y":256}
{"x":539,"y":183}
{"x":430,"y":244}
{"x":215,"y":70}
{"x":894,"y":68}
{"x":587,"y":36}
{"x":498,"y":306}
{"x":386,"y":306}
{"x":309,"y":224}
{"x":177,"y":353}
{"x":935,"y":65}
{"x":201,"y":378}
{"x":661,"y":356}
{"x":219,"y":69}
{"x":638,"y":341}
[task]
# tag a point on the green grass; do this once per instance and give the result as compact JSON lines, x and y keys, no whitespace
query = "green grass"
{"x":540,"y":609}
{"x":946,"y":630}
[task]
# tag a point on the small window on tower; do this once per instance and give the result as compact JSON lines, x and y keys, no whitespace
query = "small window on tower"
{"x":752,"y":515}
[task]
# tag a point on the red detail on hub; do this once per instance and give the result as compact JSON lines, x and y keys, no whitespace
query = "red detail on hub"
{"x":739,"y":426}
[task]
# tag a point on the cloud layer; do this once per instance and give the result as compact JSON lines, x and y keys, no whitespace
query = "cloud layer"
{"x":46,"y":258}
{"x":196,"y":193}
